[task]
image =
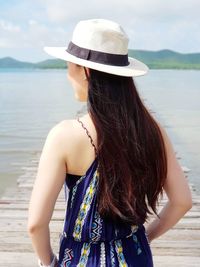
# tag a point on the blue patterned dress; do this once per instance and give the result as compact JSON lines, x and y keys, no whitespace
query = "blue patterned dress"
{"x":89,"y":241}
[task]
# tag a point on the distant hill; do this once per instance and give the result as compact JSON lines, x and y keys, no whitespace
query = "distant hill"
{"x":51,"y":63}
{"x":9,"y":62}
{"x":167,"y":59}
{"x":163,"y":59}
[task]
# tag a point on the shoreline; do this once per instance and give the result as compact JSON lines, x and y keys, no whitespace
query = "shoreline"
{"x":13,"y":69}
{"x":24,"y":171}
{"x":32,"y":156}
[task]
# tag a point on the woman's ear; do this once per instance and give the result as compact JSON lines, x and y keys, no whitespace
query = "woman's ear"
{"x":87,"y":72}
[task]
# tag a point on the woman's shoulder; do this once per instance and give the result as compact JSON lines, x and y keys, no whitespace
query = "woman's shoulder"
{"x":67,"y":135}
{"x":65,"y":130}
{"x":69,"y":126}
{"x":62,"y":128}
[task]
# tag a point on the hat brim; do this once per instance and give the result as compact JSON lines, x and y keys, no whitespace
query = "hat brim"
{"x":135,"y":68}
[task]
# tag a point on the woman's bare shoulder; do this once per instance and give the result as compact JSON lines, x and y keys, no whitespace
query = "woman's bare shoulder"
{"x":66,"y":130}
{"x":62,"y":128}
{"x":63,"y":134}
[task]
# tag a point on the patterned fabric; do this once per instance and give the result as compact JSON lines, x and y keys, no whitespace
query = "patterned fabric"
{"x":120,"y":255}
{"x":68,"y":255}
{"x":112,"y":255}
{"x":96,"y":229}
{"x":84,"y":255}
{"x":137,"y":244}
{"x":103,"y":255}
{"x":89,"y":241}
{"x":85,"y":206}
{"x":74,"y":190}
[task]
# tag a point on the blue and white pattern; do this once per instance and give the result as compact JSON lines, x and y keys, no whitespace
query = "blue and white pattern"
{"x":96,"y":231}
{"x":120,"y":254}
{"x":85,"y":206}
{"x":137,"y":244}
{"x":84,"y":255}
{"x":74,"y":189}
{"x":90,"y":241}
{"x":102,"y":255}
{"x":68,"y":256}
{"x":112,"y":254}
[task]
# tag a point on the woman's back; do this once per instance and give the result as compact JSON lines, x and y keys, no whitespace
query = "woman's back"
{"x":89,"y":240}
{"x":80,"y":151}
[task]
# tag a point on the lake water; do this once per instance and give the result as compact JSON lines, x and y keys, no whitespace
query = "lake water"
{"x":33,"y":101}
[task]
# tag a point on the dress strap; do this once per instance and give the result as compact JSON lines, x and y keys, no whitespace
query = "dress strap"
{"x":88,"y":134}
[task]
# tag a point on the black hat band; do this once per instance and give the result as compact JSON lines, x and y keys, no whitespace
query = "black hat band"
{"x":97,"y":56}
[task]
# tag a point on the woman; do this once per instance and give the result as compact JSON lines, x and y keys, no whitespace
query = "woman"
{"x":116,"y":161}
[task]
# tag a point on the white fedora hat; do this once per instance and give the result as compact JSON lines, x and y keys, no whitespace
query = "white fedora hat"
{"x":102,"y":45}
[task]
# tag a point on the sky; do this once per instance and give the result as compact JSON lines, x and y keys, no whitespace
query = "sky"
{"x":26,"y":26}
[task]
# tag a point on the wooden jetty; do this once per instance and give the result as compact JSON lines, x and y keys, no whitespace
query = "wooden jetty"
{"x":179,"y":247}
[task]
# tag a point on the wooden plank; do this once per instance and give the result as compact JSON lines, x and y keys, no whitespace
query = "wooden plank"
{"x":17,"y":259}
{"x":176,"y":261}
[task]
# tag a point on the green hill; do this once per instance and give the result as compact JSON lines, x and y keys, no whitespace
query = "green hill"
{"x":167,"y":59}
{"x":9,"y":62}
{"x":163,"y":59}
{"x":51,"y":64}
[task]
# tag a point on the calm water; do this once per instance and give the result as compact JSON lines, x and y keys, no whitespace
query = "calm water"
{"x":31,"y":102}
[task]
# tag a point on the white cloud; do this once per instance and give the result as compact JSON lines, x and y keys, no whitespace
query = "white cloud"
{"x":151,"y":25}
{"x":8,"y":26}
{"x":33,"y":35}
{"x":156,"y":10}
{"x":32,"y":22}
{"x":4,"y":42}
{"x":8,"y":33}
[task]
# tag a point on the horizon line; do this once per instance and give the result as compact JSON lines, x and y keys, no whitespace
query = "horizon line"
{"x":144,"y":50}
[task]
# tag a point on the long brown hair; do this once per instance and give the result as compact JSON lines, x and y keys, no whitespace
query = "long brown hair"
{"x":131,"y":151}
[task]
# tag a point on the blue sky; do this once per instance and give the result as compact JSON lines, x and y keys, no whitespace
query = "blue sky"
{"x":28,"y":25}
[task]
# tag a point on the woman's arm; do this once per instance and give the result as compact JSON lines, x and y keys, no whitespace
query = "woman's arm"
{"x":177,"y":191}
{"x":48,"y":183}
